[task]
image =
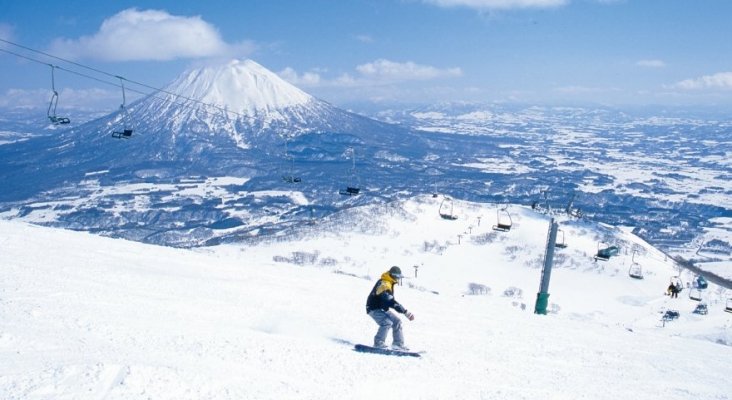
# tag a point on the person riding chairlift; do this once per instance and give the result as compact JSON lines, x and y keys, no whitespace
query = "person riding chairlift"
{"x":673,"y":290}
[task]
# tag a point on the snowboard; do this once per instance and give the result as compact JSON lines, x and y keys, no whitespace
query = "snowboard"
{"x":362,"y":348}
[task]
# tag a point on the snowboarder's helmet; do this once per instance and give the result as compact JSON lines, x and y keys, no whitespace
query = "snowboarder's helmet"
{"x":395,"y":272}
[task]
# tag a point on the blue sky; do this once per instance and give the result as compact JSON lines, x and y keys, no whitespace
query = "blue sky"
{"x":569,"y":52}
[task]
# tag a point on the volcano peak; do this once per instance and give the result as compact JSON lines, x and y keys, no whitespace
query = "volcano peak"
{"x":242,"y":86}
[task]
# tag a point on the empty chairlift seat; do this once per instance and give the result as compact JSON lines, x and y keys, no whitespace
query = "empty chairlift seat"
{"x":604,"y":254}
{"x":503,"y":220}
{"x":126,"y":132}
{"x":123,"y":134}
{"x":447,"y":209}
{"x":562,"y":244}
{"x":695,"y":294}
{"x":670,"y":315}
{"x":350,"y":191}
{"x":701,"y":309}
{"x":289,"y":175}
{"x":55,"y":119}
{"x":635,"y":271}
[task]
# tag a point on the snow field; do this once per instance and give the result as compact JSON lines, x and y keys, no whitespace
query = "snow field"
{"x":85,"y":317}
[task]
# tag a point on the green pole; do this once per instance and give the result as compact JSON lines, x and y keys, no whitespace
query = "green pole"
{"x":542,"y":301}
{"x":542,"y":298}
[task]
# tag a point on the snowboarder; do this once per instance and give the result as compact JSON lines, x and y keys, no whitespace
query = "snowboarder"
{"x":380,"y":300}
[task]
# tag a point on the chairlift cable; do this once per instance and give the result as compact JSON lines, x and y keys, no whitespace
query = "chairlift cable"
{"x":118,"y":86}
{"x":88,"y":76}
{"x":115,"y":76}
{"x":111,"y":75}
{"x":95,"y":70}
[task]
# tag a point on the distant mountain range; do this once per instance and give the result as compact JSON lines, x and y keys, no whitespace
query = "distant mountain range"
{"x":231,"y":152}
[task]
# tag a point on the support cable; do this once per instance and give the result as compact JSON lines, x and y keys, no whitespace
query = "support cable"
{"x":114,"y":76}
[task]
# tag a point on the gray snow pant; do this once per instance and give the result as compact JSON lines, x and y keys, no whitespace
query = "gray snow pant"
{"x":387,"y":320}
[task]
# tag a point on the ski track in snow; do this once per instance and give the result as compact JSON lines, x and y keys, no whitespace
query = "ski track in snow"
{"x":86,"y":317}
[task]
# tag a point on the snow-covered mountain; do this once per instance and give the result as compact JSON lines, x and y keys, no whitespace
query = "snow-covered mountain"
{"x":243,"y":86}
{"x":243,"y":100}
{"x":86,"y":317}
{"x":230,"y":119}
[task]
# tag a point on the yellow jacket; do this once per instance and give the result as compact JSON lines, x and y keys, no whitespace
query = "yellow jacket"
{"x":382,"y":295}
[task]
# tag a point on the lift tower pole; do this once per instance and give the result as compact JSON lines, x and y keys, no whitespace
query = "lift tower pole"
{"x":542,"y":298}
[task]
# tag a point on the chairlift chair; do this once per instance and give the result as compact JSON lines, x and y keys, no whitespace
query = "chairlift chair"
{"x":728,"y":306}
{"x":701,"y":282}
{"x":351,"y":190}
{"x":537,"y":204}
{"x":701,"y":309}
{"x":635,"y":270}
{"x":123,"y":134}
{"x":289,"y":176}
{"x":126,"y":131}
{"x":695,"y":294}
{"x":51,"y":113}
{"x":447,"y":209}
{"x":676,"y":281}
{"x":671,"y":315}
{"x":563,"y":243}
{"x":503,"y":225}
{"x":604,"y":254}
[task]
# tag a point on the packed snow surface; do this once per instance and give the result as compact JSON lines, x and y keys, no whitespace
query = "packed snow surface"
{"x":87,"y":317}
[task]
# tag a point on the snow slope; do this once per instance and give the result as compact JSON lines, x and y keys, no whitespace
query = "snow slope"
{"x":86,"y":317}
{"x":242,"y":86}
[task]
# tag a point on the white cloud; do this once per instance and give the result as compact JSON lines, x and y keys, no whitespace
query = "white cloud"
{"x":346,"y":80}
{"x":134,"y":35}
{"x":90,"y":99}
{"x":24,"y":98}
{"x":375,"y":73}
{"x":497,"y":4}
{"x":385,"y":70}
{"x":651,"y":63}
{"x":305,"y":80}
{"x":722,"y":80}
